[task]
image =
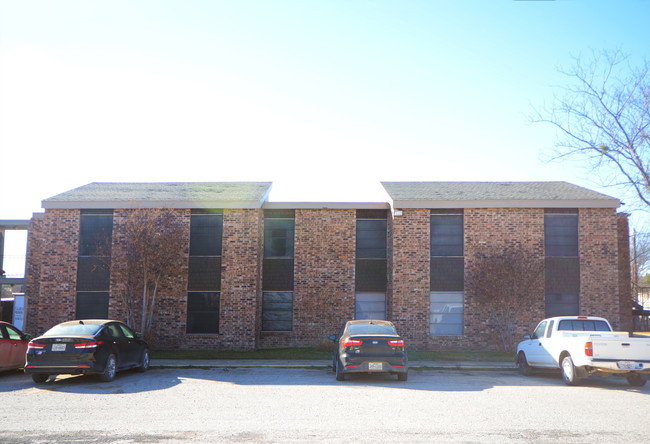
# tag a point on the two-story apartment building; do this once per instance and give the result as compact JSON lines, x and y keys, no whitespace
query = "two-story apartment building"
{"x":262,"y":274}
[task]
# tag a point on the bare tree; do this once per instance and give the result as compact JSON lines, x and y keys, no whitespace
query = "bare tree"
{"x":603,"y":118}
{"x":506,"y":282}
{"x":152,"y":243}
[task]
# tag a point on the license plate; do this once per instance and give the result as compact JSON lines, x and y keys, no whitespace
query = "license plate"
{"x":58,"y":347}
{"x":626,"y":365}
{"x":374,"y":366}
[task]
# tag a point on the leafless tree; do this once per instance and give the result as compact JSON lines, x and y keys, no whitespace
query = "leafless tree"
{"x":152,"y":244}
{"x":506,"y":282}
{"x":603,"y":118}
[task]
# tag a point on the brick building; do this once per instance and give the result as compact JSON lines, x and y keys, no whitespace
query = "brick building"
{"x":261,"y":274}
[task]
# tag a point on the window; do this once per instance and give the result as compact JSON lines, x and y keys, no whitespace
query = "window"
{"x":447,"y":313}
{"x":277,"y":272}
{"x":203,"y":312}
{"x":370,"y":306}
{"x":550,"y":329}
{"x":371,"y":268}
{"x":583,"y":325}
{"x":539,"y":331}
{"x":562,"y":262}
{"x":93,"y":272}
{"x":277,"y":311}
{"x":204,"y":274}
{"x":447,"y":273}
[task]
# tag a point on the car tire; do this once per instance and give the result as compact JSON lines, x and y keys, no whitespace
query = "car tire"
{"x":144,"y":362}
{"x":402,"y":376}
{"x":524,"y":368}
{"x":40,"y":378}
{"x":636,"y":380}
{"x":109,"y":372}
{"x":569,"y":372}
{"x":340,"y":376}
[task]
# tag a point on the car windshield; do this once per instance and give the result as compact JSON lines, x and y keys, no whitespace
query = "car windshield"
{"x":73,"y":329}
{"x":371,"y":329}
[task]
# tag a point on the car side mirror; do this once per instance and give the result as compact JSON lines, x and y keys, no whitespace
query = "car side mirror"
{"x":138,"y":335}
{"x":332,"y":337}
{"x":27,"y":337}
{"x":527,"y":337}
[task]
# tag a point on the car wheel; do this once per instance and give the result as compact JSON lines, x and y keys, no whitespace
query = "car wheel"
{"x":111,"y":368}
{"x":340,"y":376}
{"x":569,"y":371}
{"x":524,"y":368}
{"x":402,"y":376}
{"x":144,"y":362}
{"x":39,"y":378}
{"x":636,"y":380}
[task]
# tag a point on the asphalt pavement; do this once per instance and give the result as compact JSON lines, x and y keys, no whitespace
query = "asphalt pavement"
{"x":322,"y":364}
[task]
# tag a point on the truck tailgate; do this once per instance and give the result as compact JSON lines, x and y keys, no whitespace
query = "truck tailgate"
{"x":621,"y":349}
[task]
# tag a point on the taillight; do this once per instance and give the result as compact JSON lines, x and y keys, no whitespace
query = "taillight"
{"x":91,"y":344}
{"x":396,"y":343}
{"x":352,"y":342}
{"x":35,"y":345}
{"x":589,"y":349}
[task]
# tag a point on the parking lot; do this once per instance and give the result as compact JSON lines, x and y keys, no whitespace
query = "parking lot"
{"x":296,"y":405}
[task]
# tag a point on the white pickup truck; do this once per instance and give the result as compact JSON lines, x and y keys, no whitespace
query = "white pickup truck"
{"x":582,"y":346}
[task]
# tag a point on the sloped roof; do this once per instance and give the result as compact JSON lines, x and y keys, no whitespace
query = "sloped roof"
{"x":495,"y":195}
{"x":163,"y":195}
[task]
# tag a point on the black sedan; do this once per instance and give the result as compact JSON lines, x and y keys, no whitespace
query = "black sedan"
{"x":369,"y":346}
{"x":89,"y":346}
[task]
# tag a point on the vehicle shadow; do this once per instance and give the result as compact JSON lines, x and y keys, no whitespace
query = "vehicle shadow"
{"x":131,"y":382}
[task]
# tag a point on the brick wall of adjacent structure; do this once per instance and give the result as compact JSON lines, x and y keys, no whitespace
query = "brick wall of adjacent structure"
{"x":324,"y":261}
{"x":626,"y":298}
{"x":598,"y":237}
{"x":51,"y":282}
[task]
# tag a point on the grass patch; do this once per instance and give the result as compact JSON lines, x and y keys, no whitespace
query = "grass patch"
{"x":310,"y":354}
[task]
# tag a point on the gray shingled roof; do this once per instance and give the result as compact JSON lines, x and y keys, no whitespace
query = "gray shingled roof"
{"x":164,"y":194}
{"x":500,"y":194}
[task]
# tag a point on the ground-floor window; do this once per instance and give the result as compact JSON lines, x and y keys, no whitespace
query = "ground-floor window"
{"x":562,"y":304}
{"x":447,"y":310}
{"x":92,"y":305}
{"x":203,"y":312}
{"x":277,"y":311}
{"x":370,"y":305}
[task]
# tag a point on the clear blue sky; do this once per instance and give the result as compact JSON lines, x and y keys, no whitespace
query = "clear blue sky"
{"x":324,"y":98}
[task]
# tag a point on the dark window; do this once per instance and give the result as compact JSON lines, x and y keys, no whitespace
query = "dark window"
{"x":550,"y":329}
{"x":278,"y":238}
{"x":371,"y":239}
{"x":447,"y":274}
{"x":95,"y":232}
{"x":202,"y":312}
{"x":278,"y":275}
{"x":277,"y":311}
{"x":206,"y":233}
{"x":92,"y":305}
{"x":561,"y":235}
{"x":93,"y":266}
{"x":562,"y":264}
{"x":371,"y":275}
{"x":278,"y":270}
{"x":204,"y":273}
{"x":562,"y":304}
{"x":446,"y":235}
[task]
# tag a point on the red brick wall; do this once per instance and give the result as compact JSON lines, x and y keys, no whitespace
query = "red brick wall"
{"x":51,"y":283}
{"x":599,"y":294}
{"x":507,"y":227}
{"x":409,"y":278}
{"x":324,"y":261}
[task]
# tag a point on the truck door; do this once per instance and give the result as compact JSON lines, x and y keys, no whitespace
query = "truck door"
{"x":536,"y":352}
